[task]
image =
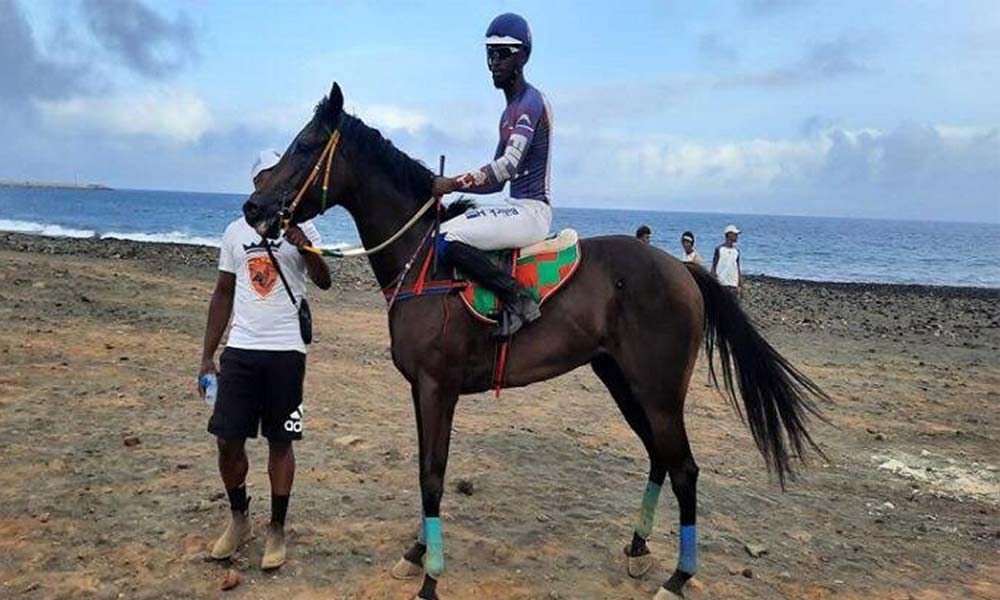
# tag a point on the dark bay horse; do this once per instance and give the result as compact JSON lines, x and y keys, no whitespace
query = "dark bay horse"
{"x":636,"y":315}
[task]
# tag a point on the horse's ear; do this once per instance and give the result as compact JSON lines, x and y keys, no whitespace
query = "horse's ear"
{"x":336,"y":101}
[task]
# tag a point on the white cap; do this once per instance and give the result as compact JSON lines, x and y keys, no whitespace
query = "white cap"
{"x":731,"y":229}
{"x":265,"y":160}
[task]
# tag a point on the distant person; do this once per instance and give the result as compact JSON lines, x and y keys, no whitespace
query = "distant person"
{"x":726,"y":262}
{"x":263,"y":363}
{"x":644,"y":233}
{"x":690,"y":255}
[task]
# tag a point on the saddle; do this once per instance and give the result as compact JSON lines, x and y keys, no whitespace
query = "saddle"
{"x":542,"y":268}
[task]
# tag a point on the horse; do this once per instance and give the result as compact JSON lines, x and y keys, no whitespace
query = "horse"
{"x":632,"y":312}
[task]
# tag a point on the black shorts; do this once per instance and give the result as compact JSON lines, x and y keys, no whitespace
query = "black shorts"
{"x":259,"y":388}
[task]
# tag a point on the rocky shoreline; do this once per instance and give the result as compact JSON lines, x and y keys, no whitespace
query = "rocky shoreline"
{"x":949,"y":315}
{"x":198,"y":256}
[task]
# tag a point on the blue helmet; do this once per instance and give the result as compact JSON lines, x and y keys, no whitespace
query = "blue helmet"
{"x":509,"y":29}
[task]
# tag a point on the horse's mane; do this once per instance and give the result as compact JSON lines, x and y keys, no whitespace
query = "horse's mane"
{"x":378,"y":153}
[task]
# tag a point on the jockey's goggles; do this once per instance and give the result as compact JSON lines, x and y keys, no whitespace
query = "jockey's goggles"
{"x":497,"y":53}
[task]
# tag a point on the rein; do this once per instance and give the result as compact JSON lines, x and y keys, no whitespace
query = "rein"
{"x":354,"y":251}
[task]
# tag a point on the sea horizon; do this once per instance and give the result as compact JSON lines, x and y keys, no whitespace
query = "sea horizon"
{"x":790,"y":246}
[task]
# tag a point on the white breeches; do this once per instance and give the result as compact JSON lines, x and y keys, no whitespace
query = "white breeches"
{"x":516,"y":223}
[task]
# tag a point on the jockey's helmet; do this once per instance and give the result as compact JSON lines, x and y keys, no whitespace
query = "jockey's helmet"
{"x":509,"y":29}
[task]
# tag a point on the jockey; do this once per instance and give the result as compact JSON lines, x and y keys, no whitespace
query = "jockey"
{"x":522,"y":157}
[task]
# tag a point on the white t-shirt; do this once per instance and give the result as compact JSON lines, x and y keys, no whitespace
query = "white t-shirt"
{"x":694,"y":257}
{"x":263,"y":315}
{"x":727,"y":265}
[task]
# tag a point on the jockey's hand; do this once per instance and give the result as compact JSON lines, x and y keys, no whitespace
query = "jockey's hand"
{"x":444,"y":186}
{"x":296,"y":237}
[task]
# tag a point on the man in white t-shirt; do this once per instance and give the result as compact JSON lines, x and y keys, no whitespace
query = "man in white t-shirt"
{"x":726,"y":262}
{"x":690,"y":255}
{"x":263,"y":364}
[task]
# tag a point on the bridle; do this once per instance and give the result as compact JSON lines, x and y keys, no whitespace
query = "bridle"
{"x":328,"y":151}
{"x":288,"y":209}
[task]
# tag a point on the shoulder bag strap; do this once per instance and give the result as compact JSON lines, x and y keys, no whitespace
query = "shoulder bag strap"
{"x":274,"y":261}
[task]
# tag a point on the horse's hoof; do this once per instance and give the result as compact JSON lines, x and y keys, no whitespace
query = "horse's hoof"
{"x":665,"y":594}
{"x":639,"y":565}
{"x":404,"y":569}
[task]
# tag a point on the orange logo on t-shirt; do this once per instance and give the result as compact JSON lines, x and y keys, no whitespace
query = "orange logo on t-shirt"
{"x":262,"y":274}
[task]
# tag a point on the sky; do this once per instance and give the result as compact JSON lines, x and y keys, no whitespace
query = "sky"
{"x":852,"y":108}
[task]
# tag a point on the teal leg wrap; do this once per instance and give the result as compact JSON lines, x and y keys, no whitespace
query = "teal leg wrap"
{"x":434,"y":557}
{"x":422,"y":535}
{"x":644,"y":525}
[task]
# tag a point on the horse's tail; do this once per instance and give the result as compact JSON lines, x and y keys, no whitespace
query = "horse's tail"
{"x":776,"y":396}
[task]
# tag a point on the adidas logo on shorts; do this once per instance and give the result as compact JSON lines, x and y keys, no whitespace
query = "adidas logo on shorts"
{"x":294,"y":422}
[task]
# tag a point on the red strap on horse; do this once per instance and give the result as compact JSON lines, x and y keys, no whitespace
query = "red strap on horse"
{"x":418,"y":287}
{"x":501,"y":367}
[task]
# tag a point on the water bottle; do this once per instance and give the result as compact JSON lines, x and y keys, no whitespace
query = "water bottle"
{"x":210,"y":384}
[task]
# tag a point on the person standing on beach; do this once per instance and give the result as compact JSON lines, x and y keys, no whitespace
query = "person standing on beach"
{"x":263,"y":364}
{"x":726,"y":262}
{"x":644,"y":233}
{"x":690,"y":254}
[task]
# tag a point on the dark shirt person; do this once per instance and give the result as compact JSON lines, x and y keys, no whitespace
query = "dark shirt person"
{"x":644,"y":234}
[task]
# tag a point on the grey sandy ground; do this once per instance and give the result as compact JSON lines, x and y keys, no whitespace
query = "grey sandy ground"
{"x":101,"y":341}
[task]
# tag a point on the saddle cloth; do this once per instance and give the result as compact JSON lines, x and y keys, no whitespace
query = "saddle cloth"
{"x":541,"y":268}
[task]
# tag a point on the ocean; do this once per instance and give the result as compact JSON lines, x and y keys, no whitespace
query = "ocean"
{"x":813,"y":248}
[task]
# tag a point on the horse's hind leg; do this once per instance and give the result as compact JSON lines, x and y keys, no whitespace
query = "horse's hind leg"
{"x":683,"y":480}
{"x":637,"y":553}
{"x":658,"y":420}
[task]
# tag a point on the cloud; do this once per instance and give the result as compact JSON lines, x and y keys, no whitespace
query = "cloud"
{"x":711,"y":46}
{"x":767,"y":8}
{"x":845,"y":56}
{"x":25,"y":73}
{"x":145,"y":41}
{"x":392,"y":117}
{"x":172,"y":115}
{"x":914,"y":170}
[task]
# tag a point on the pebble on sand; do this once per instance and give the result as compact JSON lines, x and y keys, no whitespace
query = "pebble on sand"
{"x":755,"y":550}
{"x":131,"y":440}
{"x":348,"y":440}
{"x":464,"y":486}
{"x":231,"y":580}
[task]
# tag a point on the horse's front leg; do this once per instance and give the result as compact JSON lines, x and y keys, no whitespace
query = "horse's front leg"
{"x":411,"y":564}
{"x":434,"y":402}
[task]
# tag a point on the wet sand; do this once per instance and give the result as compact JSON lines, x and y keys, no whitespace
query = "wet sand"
{"x":101,"y":345}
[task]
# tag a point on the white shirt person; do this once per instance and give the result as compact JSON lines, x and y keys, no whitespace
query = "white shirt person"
{"x":726,"y":261}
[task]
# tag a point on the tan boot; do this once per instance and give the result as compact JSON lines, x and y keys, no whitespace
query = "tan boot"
{"x":237,"y":531}
{"x":275,"y":548}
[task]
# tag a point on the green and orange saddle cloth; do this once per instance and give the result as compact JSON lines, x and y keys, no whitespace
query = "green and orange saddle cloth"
{"x":542,"y":268}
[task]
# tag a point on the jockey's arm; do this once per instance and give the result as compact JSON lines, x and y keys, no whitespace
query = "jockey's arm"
{"x":492,"y":177}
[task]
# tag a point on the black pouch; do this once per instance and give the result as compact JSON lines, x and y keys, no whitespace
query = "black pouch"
{"x":305,"y":322}
{"x":305,"y":315}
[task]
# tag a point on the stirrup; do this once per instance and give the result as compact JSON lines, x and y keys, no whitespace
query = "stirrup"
{"x":513,"y":318}
{"x":508,"y":323}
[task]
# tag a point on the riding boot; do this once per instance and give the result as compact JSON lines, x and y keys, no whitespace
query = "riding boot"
{"x":519,"y":306}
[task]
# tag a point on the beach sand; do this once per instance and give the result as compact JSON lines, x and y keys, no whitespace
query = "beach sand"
{"x":109,"y":489}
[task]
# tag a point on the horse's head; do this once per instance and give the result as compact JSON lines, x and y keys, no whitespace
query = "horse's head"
{"x":303,"y":165}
